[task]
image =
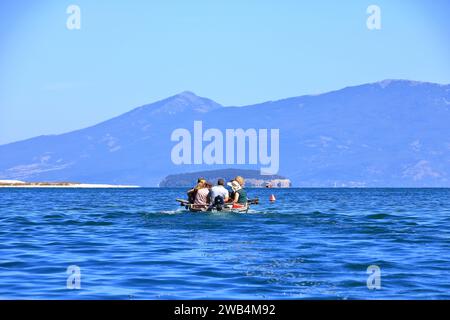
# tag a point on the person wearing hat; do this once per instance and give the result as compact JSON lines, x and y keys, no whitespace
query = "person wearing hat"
{"x":230,"y":190}
{"x":240,"y":195}
{"x":240,"y":180}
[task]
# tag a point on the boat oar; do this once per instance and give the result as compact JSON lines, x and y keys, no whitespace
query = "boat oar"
{"x":183,"y":202}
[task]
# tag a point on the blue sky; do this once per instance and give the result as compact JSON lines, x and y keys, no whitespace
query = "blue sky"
{"x":129,"y":53}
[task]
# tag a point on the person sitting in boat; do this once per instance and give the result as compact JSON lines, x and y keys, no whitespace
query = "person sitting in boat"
{"x":193,"y":192}
{"x":239,"y":180}
{"x":240,"y":195}
{"x":218,"y":195}
{"x":230,"y":191}
{"x":202,"y":195}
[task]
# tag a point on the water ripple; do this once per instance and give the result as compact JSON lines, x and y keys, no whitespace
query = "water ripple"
{"x":309,"y":244}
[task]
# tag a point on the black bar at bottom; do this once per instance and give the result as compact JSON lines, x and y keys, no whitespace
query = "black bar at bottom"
{"x":221,"y":309}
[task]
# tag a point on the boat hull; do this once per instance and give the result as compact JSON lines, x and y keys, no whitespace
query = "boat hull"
{"x":226,"y":208}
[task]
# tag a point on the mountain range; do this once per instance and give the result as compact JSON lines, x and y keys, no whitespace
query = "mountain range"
{"x":393,"y":133}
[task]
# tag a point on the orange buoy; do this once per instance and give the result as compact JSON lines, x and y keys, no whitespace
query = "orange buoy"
{"x":272,"y":198}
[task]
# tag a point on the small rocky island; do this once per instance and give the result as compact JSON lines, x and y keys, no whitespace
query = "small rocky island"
{"x":253,"y":178}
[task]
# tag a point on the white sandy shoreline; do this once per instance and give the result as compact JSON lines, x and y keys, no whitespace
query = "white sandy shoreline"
{"x":81,"y":186}
{"x":22,"y":184}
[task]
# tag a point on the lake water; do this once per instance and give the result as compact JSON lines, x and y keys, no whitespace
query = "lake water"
{"x":309,"y":244}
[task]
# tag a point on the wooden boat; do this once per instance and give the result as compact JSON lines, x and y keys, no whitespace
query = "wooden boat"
{"x":226,"y":208}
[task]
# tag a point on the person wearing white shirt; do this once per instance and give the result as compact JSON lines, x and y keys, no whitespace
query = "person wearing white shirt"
{"x":219,"y":195}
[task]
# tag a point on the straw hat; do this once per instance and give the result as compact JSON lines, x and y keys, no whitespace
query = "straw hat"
{"x":240,"y":180}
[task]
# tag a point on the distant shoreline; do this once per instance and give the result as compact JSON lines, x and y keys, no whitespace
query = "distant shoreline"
{"x":75,"y":186}
{"x":22,"y":184}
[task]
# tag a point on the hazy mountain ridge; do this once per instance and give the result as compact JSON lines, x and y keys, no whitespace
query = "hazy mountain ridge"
{"x":389,"y":133}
